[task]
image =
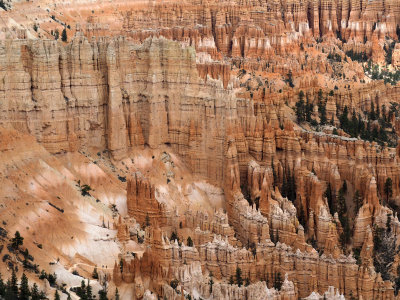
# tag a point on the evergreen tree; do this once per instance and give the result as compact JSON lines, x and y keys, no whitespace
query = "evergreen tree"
{"x":302,"y":217}
{"x":278,"y":281}
{"x":10,"y":294}
{"x":398,"y":32}
{"x":357,"y":201}
{"x":35,"y":292}
{"x":64,"y":37}
{"x":378,"y":112}
{"x":360,"y":125}
{"x":309,"y":108}
{"x":116,"y":294}
{"x":239,"y":279}
{"x":388,"y":189}
{"x":319,"y":95}
{"x":290,"y":79}
{"x":24,"y":292}
{"x":81,"y":291}
{"x":174,"y":236}
{"x":247,"y":281}
{"x":300,"y":108}
{"x":14,"y":283}
{"x":231,"y":281}
{"x":95,"y":275}
{"x":103,"y":292}
{"x":2,"y":288}
{"x":56,"y":34}
{"x":211,"y":282}
{"x":189,"y":242}
{"x":344,"y":187}
{"x":17,"y":241}
{"x":388,"y":222}
{"x":344,"y":121}
{"x":284,"y":186}
{"x":275,"y":183}
{"x":89,"y":294}
{"x":321,"y":109}
{"x":56,"y":295}
{"x":147,"y":220}
{"x":372,"y":115}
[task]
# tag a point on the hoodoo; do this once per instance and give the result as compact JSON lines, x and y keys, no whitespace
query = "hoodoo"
{"x":200,"y":149}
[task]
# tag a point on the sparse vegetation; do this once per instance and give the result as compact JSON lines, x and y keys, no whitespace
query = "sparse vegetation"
{"x":17,"y":241}
{"x":174,"y":283}
{"x":64,"y":36}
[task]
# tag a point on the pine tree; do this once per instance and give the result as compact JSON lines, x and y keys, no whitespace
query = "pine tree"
{"x":9,"y":294}
{"x":2,"y":287}
{"x":17,"y":241}
{"x":14,"y":283}
{"x":247,"y":281}
{"x":388,"y":189}
{"x":308,"y":109}
{"x":95,"y":275}
{"x":89,"y":294}
{"x":189,"y":242}
{"x":344,"y":121}
{"x":290,"y":79}
{"x":56,"y":34}
{"x":231,"y":281}
{"x":320,"y":95}
{"x":64,"y":37}
{"x":35,"y":292}
{"x":300,"y":108}
{"x":378,"y":112}
{"x":275,"y":183}
{"x":56,"y":295}
{"x":239,"y":279}
{"x":24,"y":292}
{"x":81,"y":291}
{"x":103,"y":292}
{"x":372,"y":115}
{"x":116,"y":294}
{"x":174,"y":236}
{"x":278,"y":281}
{"x":398,"y":32}
{"x":211,"y":282}
{"x":388,"y":222}
{"x":284,"y":186}
{"x":322,"y":109}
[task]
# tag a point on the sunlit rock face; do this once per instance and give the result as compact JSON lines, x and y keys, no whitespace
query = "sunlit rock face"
{"x":202,"y":149}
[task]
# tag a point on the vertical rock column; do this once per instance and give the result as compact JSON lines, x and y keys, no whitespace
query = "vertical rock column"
{"x":116,"y":127}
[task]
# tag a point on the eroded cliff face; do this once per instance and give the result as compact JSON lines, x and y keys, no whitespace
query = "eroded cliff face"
{"x":110,"y":94}
{"x":175,"y":138}
{"x":114,"y":94}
